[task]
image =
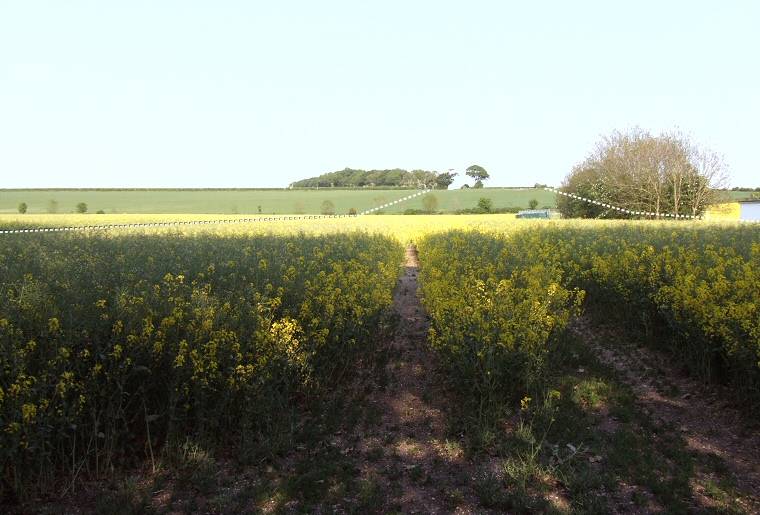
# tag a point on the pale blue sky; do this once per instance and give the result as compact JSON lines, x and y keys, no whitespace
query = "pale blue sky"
{"x":260,"y":94}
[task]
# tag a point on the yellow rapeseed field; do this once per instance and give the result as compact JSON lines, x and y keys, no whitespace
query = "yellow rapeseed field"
{"x":121,"y":343}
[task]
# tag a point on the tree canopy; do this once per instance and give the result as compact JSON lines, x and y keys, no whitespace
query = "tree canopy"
{"x":637,"y":171}
{"x":355,"y":178}
{"x":444,"y":180}
{"x":478,"y":173}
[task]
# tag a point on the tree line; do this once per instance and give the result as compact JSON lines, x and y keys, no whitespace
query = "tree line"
{"x":397,"y":177}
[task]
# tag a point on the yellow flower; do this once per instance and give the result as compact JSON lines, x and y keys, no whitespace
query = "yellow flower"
{"x":29,"y":412}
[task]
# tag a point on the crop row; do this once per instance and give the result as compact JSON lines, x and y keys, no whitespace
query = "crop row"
{"x":497,"y":316}
{"x":499,"y":298}
{"x":687,"y":287}
{"x":114,"y":349}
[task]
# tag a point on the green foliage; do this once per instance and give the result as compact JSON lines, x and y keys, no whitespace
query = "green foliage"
{"x":532,"y":203}
{"x":81,"y":208}
{"x":52,"y":206}
{"x":478,"y":173}
{"x":430,"y":202}
{"x":351,"y":178}
{"x":328,"y":207}
{"x":485,"y":205}
{"x":444,"y":180}
{"x":22,"y":208}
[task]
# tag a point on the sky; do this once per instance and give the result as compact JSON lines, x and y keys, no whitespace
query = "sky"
{"x":245,"y":94}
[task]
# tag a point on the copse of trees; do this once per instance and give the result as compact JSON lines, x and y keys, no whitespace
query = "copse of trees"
{"x":635,"y":170}
{"x":396,"y":178}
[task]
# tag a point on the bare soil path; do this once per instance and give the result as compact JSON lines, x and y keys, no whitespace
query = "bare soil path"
{"x":418,"y":462}
{"x":709,"y":419}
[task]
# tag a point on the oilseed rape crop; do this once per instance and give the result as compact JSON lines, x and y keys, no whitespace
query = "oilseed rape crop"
{"x":499,"y":297}
{"x":114,"y":347}
{"x":496,"y":316}
{"x":690,"y":288}
{"x":117,"y":346}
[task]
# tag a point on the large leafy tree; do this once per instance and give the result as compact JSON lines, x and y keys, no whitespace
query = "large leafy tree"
{"x":478,"y":173}
{"x":640,"y":172}
{"x":444,"y":180}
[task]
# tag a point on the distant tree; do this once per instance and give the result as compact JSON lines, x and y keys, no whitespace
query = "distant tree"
{"x":100,"y":212}
{"x":444,"y":180}
{"x":430,"y":202}
{"x":485,"y":205}
{"x":52,"y":206}
{"x":22,"y":208}
{"x":533,"y":203}
{"x":81,"y":208}
{"x":328,"y":207}
{"x":479,"y":174}
{"x":352,"y":211}
{"x":298,"y":208}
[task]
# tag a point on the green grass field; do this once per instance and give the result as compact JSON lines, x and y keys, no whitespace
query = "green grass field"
{"x":255,"y":201}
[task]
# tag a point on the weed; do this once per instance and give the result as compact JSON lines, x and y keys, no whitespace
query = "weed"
{"x":489,"y":490}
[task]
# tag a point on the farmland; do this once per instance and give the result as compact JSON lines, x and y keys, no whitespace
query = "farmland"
{"x":256,"y":201}
{"x":168,"y":349}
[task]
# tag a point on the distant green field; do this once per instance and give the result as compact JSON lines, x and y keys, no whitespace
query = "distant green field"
{"x":740,"y":195}
{"x":245,"y":201}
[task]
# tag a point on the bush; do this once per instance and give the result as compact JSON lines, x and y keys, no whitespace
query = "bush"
{"x":81,"y":208}
{"x":485,"y":205}
{"x":430,"y":202}
{"x":22,"y":208}
{"x":328,"y":207}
